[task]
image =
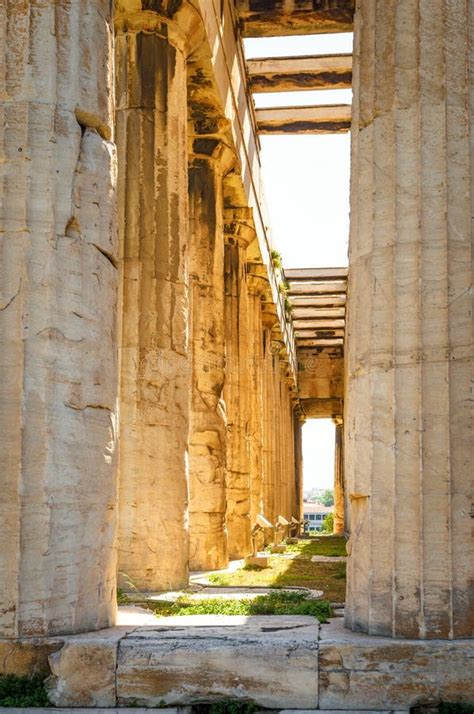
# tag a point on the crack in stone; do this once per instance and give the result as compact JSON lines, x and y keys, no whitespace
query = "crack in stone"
{"x":11,"y":300}
{"x":106,"y":255}
{"x":81,"y":408}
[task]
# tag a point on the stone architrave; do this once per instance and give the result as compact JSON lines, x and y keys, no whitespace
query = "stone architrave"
{"x":207,"y":432}
{"x":239,"y":233}
{"x":58,"y":296}
{"x":151,"y":64}
{"x":408,"y":416}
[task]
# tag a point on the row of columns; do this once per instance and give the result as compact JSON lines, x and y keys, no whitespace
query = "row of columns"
{"x":120,"y":345}
{"x":261,"y":477}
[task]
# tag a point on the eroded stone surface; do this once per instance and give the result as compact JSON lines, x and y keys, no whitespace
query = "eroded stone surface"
{"x":58,"y":295}
{"x":272,"y":661}
{"x":155,"y":373}
{"x":361,"y":671}
{"x":83,"y":670}
{"x":408,"y":421}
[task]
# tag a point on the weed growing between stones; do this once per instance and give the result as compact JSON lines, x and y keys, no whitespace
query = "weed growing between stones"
{"x":20,"y":692}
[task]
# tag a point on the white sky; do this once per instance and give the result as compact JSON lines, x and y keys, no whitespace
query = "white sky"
{"x":306,"y":186}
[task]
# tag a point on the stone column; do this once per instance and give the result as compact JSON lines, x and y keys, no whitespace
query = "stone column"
{"x":207,"y":433}
{"x":257,"y":287}
{"x":298,"y":421}
{"x":151,"y":52}
{"x":408,"y":420}
{"x":270,"y":420}
{"x":58,"y":294}
{"x":339,"y":496}
{"x":238,"y":235}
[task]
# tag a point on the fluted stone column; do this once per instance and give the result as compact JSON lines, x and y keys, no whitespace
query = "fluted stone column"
{"x":151,"y":52}
{"x":408,"y":421}
{"x":257,"y":287}
{"x":271,"y":420}
{"x":238,"y":235}
{"x":58,"y":294}
{"x":207,"y":433}
{"x":298,"y":421}
{"x":339,"y":495}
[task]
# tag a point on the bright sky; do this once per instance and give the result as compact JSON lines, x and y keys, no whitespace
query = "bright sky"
{"x":306,"y":185}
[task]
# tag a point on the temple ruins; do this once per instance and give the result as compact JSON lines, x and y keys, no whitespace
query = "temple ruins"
{"x":155,"y":376}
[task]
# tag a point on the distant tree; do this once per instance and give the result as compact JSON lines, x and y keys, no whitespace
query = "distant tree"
{"x":327,"y":499}
{"x":328,"y":523}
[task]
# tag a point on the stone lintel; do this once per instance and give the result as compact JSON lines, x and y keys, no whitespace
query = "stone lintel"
{"x":286,"y":74}
{"x":273,"y":18}
{"x":324,"y":119}
{"x":322,"y":408}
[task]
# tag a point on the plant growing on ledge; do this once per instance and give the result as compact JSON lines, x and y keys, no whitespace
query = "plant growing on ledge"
{"x":277,"y":260}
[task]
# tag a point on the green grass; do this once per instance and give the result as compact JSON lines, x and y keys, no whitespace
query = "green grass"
{"x":20,"y":692}
{"x":327,"y":545}
{"x":284,"y":572}
{"x":277,"y":603}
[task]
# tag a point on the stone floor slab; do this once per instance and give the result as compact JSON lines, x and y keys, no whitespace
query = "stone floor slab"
{"x":358,"y":671}
{"x":272,"y":661}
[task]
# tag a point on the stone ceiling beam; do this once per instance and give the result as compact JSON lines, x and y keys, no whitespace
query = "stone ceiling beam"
{"x":320,"y":323}
{"x":324,"y":119}
{"x":316,"y":273}
{"x":287,"y":74}
{"x":311,"y":289}
{"x":322,"y":342}
{"x":273,"y":18}
{"x":319,"y":301}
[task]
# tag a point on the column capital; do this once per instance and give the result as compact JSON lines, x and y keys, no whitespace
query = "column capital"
{"x":257,"y":280}
{"x":182,"y":27}
{"x":239,"y":227}
{"x":212,"y":150}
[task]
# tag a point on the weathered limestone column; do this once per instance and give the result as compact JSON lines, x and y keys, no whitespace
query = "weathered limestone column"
{"x":257,"y":287}
{"x":408,"y":421}
{"x":298,"y":421}
{"x":151,"y":52}
{"x":238,"y":235}
{"x":207,"y":432}
{"x":58,"y":294}
{"x":270,"y":421}
{"x":339,"y":496}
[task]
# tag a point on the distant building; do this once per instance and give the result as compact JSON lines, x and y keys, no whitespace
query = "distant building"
{"x":314,"y":514}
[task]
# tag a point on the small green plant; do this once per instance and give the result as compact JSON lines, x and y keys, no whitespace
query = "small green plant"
{"x":284,"y":287}
{"x":277,"y":260}
{"x":20,"y":692}
{"x":288,"y":305}
{"x":122,"y":598}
